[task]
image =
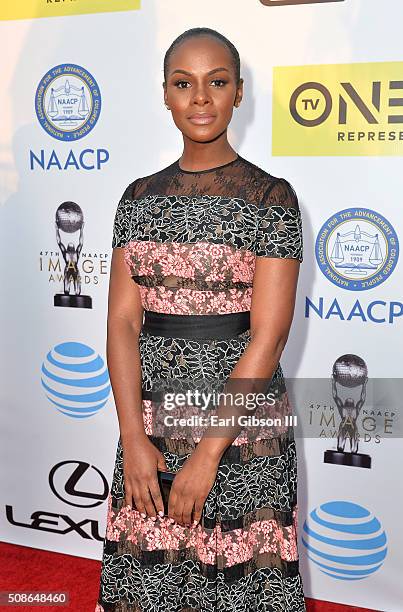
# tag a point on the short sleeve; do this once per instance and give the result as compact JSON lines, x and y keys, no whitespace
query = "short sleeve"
{"x":122,"y":225}
{"x":279,"y":223}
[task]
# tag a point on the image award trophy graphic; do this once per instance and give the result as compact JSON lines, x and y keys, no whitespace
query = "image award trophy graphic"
{"x":349,"y":371}
{"x":70,"y":219}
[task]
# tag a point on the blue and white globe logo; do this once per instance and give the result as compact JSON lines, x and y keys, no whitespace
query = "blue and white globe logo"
{"x":344,"y":540}
{"x":68,"y":102}
{"x":357,"y":249}
{"x":75,"y":380}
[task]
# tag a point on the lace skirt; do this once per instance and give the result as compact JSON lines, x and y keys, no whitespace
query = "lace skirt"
{"x":242,"y":556}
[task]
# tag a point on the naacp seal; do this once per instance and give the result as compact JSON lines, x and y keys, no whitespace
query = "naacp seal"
{"x":357,"y":249}
{"x":68,"y":102}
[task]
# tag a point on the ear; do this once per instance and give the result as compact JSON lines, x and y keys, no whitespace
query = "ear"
{"x":239,"y":93}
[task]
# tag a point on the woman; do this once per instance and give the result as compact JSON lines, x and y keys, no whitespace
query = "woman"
{"x":213,"y":244}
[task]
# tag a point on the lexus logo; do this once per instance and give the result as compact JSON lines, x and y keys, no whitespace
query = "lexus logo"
{"x":78,"y":483}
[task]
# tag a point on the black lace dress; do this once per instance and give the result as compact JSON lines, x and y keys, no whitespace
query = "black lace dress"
{"x":190,"y":242}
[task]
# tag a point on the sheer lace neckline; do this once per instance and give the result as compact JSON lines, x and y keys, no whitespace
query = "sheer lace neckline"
{"x":237,"y":158}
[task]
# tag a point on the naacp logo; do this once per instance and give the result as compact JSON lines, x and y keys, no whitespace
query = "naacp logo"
{"x":68,"y":102}
{"x":357,"y":249}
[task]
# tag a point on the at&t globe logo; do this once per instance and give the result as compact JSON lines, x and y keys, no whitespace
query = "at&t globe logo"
{"x":68,"y":102}
{"x":75,"y":379}
{"x":357,"y":249}
{"x":344,"y":540}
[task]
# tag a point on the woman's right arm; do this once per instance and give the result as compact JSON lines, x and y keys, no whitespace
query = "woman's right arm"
{"x":125,"y":318}
{"x":141,"y":458}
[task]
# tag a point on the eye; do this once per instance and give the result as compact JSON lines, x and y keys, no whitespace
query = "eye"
{"x":179,"y":82}
{"x":219,"y":81}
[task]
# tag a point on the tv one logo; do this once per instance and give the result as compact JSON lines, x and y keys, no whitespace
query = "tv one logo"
{"x":288,"y":2}
{"x":338,"y":109}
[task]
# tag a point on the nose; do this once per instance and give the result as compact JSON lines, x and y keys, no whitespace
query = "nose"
{"x":200,"y":94}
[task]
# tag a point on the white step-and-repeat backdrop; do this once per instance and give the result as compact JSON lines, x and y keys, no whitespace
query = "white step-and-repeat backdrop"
{"x":82,"y":116}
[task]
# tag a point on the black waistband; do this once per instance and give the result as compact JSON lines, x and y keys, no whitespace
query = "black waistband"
{"x":196,"y":326}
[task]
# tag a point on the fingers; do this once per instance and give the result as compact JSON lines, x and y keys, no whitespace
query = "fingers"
{"x":173,"y":496}
{"x":161,"y":465}
{"x":150,"y":510}
{"x":197,"y":513}
{"x":180,"y":508}
{"x":177,"y":513}
{"x":139,"y":504}
{"x":128,"y":496}
{"x":157,"y":497}
{"x":141,"y":481}
{"x":143,"y":502}
{"x":187,"y":512}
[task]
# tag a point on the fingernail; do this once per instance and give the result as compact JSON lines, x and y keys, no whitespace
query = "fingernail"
{"x":143,"y":515}
{"x":195,"y":522}
{"x":161,"y":513}
{"x":153,"y":518}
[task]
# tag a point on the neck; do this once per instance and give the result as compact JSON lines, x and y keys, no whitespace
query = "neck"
{"x":204,"y":155}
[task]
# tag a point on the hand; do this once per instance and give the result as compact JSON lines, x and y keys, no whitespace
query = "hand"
{"x":141,"y":459}
{"x":191,"y":487}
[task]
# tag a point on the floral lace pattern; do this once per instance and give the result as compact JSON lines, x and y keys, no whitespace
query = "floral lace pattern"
{"x":211,"y":545}
{"x":191,"y":241}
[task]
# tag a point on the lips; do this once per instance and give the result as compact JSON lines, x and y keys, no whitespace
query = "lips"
{"x":201,"y":118}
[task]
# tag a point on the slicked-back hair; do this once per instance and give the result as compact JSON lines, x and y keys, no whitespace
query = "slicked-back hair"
{"x":204,"y":31}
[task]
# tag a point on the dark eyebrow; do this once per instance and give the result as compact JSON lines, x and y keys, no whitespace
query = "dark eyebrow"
{"x":190,"y":74}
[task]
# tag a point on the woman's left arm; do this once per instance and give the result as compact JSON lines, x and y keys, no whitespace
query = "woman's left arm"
{"x":272,"y":310}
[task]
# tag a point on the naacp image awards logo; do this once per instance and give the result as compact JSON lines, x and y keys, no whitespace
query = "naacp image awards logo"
{"x":357,"y":249}
{"x":68,"y":102}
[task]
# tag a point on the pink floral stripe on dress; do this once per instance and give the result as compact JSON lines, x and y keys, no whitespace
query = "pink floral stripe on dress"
{"x":203,"y":259}
{"x":236,"y":546}
{"x":189,"y":301}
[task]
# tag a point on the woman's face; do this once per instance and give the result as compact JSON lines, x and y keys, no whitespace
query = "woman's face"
{"x":201,"y":88}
